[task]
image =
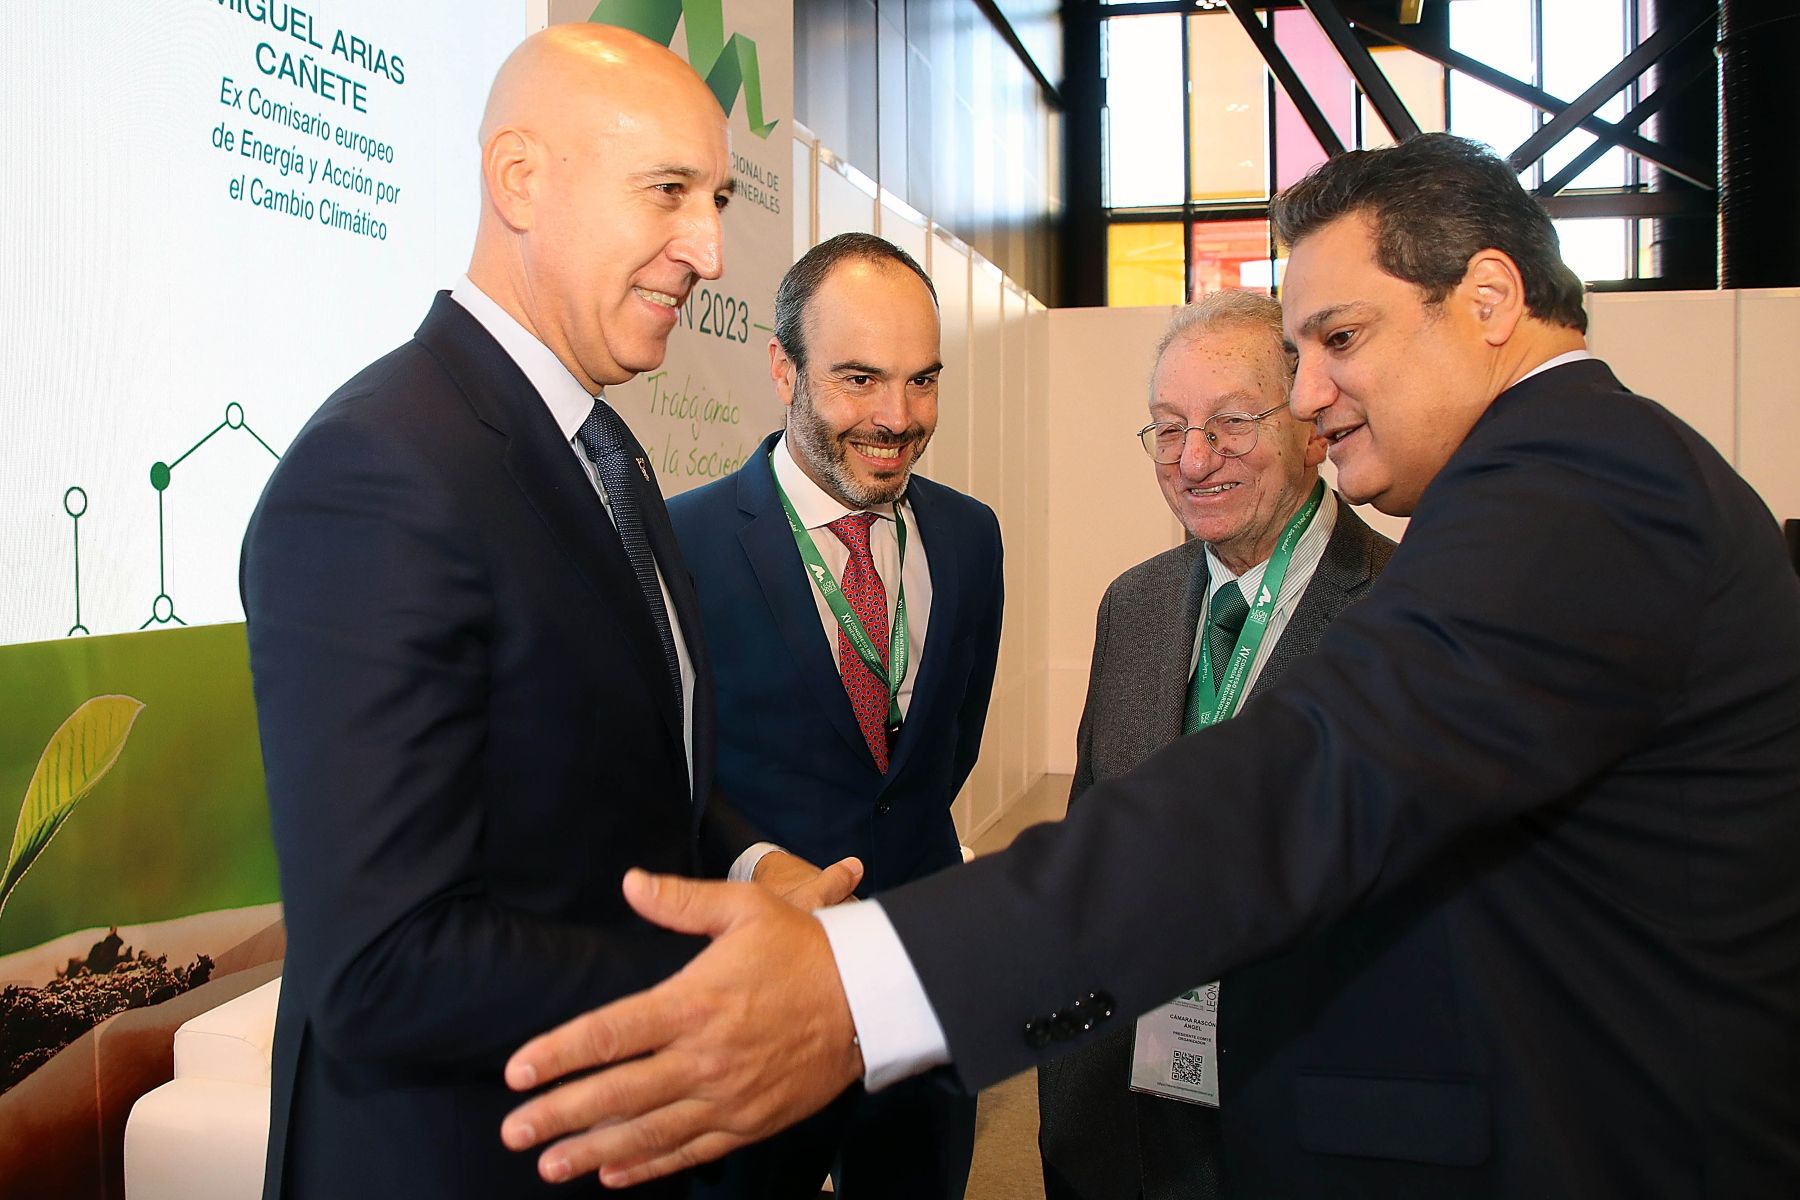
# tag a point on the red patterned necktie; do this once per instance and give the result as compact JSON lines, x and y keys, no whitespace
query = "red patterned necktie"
{"x":868,"y":600}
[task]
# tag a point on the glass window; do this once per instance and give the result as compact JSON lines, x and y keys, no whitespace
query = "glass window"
{"x":1144,"y":88}
{"x":1327,"y":79}
{"x":1596,"y":248}
{"x":1144,"y":264}
{"x":1229,"y":111}
{"x":1420,"y":85}
{"x":1582,"y":42}
{"x":1498,"y":33}
{"x":1230,"y":254}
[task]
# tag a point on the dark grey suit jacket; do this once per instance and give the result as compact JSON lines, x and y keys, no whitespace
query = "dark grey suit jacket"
{"x":1103,"y":1140}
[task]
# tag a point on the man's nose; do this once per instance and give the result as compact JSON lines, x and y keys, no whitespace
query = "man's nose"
{"x":1198,"y":458}
{"x":1313,"y":390}
{"x":890,"y":409}
{"x":701,"y":244}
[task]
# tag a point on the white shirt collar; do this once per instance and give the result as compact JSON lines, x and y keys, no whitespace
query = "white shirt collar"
{"x":815,"y":507}
{"x":1323,"y":522}
{"x":568,"y":401}
{"x":1550,"y":363}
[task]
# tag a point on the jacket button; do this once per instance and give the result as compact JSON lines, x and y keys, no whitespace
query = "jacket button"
{"x":1037,"y":1033}
{"x":882,"y":806}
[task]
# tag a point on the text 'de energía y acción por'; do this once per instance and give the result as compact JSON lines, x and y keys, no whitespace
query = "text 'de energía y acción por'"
{"x":297,"y":121}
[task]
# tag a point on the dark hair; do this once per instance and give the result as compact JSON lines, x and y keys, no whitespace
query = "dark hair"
{"x":1434,"y":201}
{"x":804,"y":277}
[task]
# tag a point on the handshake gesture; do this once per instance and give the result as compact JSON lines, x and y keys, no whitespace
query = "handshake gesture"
{"x":751,"y":1036}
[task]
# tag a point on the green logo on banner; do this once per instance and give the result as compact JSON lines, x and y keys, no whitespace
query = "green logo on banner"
{"x":727,"y":66}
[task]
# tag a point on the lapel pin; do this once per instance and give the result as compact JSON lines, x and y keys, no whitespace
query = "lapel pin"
{"x":643,"y":470}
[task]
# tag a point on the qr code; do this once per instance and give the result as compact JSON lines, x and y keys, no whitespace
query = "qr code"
{"x":1187,"y":1068}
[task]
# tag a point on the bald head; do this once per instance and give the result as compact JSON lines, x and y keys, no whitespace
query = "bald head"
{"x":605,"y":164}
{"x":563,"y":71}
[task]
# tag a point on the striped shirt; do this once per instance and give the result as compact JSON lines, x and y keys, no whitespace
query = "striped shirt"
{"x":1307,"y":553}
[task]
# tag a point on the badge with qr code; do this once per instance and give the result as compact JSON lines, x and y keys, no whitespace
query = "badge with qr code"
{"x":1176,"y":1051}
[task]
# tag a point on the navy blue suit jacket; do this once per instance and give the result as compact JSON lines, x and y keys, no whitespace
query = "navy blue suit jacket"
{"x":1501,"y":881}
{"x":469,"y":734}
{"x":791,"y":756}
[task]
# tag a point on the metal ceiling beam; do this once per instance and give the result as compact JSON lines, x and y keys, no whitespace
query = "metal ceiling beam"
{"x":1370,"y":77}
{"x":1264,"y":39}
{"x":1603,"y":89}
{"x":1642,"y":111}
{"x":1683,"y":166}
{"x":1627,"y":204}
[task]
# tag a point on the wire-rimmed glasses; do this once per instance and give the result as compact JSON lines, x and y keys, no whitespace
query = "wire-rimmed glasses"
{"x":1229,"y":434}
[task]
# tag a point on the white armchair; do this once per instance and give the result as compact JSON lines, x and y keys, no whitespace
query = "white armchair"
{"x":203,"y":1135}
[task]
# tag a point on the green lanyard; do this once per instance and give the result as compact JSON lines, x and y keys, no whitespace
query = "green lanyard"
{"x":846,"y":616}
{"x":1219,"y":703}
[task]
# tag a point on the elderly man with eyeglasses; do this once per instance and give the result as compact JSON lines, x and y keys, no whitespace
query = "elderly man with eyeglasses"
{"x":1181,"y":640}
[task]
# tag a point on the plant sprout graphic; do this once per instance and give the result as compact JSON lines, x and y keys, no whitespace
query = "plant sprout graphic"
{"x":78,"y":756}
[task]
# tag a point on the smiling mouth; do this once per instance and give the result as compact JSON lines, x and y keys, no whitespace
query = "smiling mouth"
{"x":1340,"y":435}
{"x":880,"y":453}
{"x":1217,"y":489}
{"x":662,"y":298}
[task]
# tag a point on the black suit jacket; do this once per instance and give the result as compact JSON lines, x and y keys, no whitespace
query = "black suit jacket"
{"x":1523,"y":836}
{"x":469,"y":734}
{"x":791,"y":755}
{"x":1102,"y":1139}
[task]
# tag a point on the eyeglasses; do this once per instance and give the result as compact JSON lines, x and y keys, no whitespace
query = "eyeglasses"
{"x":1230,"y":434}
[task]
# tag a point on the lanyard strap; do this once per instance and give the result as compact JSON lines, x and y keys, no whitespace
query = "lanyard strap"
{"x":846,"y":616}
{"x":1220,"y":702}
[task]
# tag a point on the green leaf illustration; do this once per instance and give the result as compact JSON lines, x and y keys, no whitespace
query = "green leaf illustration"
{"x":79,"y":755}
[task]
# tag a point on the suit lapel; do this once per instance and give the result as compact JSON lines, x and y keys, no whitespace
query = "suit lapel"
{"x":1167,"y":669}
{"x":1343,"y":568}
{"x":546,"y":471}
{"x":768,"y":543}
{"x":936,"y":530}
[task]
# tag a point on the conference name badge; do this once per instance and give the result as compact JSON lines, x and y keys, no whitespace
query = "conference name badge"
{"x":1176,"y":1051}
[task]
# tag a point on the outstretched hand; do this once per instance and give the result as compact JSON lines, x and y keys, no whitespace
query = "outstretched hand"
{"x":749,"y":1037}
{"x":805,"y":886}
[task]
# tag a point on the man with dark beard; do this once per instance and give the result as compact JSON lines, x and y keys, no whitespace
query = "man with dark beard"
{"x":854,"y":616}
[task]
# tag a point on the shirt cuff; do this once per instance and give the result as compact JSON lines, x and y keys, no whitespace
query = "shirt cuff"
{"x":743,"y":870}
{"x":895,"y":1025}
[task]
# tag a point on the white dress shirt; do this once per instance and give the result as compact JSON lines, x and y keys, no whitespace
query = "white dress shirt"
{"x":817,"y":509}
{"x":569,"y":404}
{"x":1567,"y":356}
{"x":1301,"y":565}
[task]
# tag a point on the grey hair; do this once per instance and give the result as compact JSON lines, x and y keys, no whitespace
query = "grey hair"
{"x":1233,"y":308}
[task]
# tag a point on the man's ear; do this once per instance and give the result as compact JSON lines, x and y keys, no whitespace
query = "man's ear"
{"x":1493,"y":293}
{"x":509,"y":172}
{"x":781,"y":372}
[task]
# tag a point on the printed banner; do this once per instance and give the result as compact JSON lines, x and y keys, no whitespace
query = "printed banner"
{"x":227,"y":208}
{"x":139,"y":885}
{"x":703,"y":412}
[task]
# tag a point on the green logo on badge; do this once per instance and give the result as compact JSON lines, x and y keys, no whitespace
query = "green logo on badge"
{"x":727,"y":66}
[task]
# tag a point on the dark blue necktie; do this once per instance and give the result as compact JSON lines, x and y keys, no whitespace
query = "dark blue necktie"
{"x":617,"y":456}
